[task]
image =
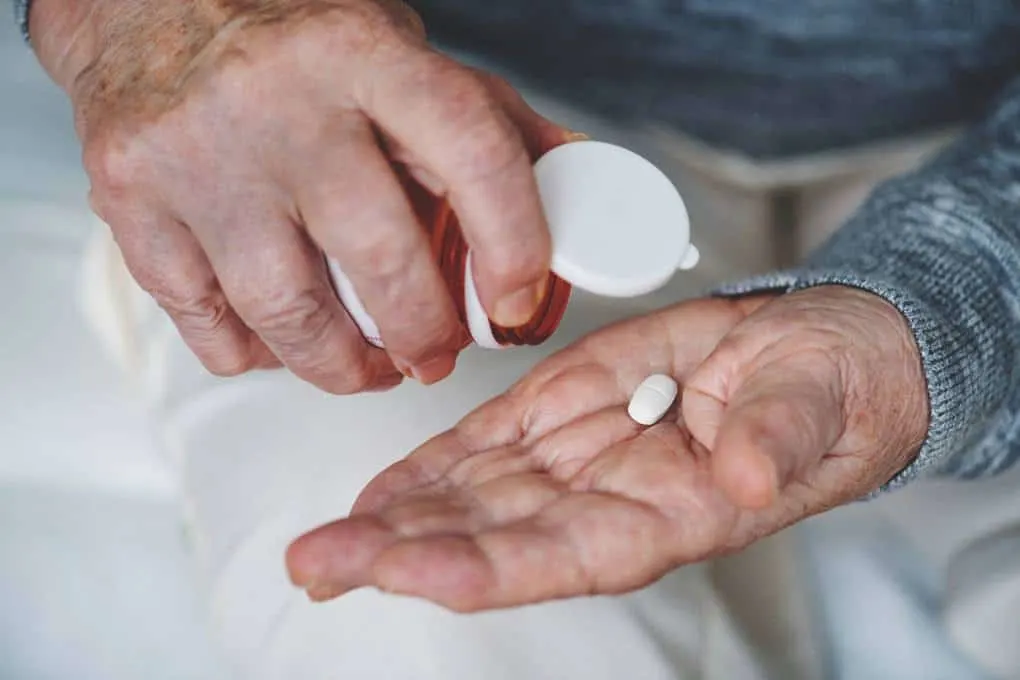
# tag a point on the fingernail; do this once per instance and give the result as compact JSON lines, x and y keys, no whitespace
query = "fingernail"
{"x":577,"y":137}
{"x":517,"y":308}
{"x":435,"y":369}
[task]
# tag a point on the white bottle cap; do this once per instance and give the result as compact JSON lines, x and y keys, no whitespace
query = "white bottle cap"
{"x":353,"y":304}
{"x":478,"y":324}
{"x":619,"y":228}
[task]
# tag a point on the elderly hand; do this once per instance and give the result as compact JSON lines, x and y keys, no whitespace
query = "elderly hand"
{"x":791,"y":405}
{"x":228,"y":143}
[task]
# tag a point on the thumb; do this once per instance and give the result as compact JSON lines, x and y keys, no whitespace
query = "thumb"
{"x":764,"y":424}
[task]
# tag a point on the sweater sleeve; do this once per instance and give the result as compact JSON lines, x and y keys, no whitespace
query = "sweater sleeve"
{"x":21,"y":16}
{"x":942,"y":244}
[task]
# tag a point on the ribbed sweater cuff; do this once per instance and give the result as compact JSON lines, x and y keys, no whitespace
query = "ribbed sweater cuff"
{"x":936,"y":356}
{"x":901,"y":250}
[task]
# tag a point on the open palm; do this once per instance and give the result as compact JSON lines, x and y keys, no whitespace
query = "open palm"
{"x":807,"y":400}
{"x":549,"y":490}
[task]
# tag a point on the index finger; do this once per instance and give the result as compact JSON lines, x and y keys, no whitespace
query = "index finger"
{"x":449,"y":118}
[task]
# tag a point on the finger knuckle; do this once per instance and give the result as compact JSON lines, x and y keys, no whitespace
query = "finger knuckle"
{"x":204,"y":311}
{"x":462,"y":87}
{"x":489,"y":149}
{"x":511,"y":267}
{"x":383,"y":260}
{"x":487,"y":144}
{"x":390,"y":20}
{"x":494,"y":81}
{"x":368,"y":29}
{"x":102,"y":206}
{"x":203,"y":319}
{"x":295,"y":322}
{"x":111,"y":165}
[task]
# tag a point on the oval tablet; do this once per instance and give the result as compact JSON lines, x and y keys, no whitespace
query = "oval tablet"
{"x":652,"y":399}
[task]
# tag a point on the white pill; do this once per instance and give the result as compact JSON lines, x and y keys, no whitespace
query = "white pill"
{"x":652,"y":398}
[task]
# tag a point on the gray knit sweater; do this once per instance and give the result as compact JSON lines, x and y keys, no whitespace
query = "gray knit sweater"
{"x":777,"y":77}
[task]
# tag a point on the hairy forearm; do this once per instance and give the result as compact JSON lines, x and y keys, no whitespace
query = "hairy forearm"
{"x":124,"y":41}
{"x":132,"y":56}
{"x":140,"y":54}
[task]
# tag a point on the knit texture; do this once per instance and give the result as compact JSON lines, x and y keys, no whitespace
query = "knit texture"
{"x":943,"y":245}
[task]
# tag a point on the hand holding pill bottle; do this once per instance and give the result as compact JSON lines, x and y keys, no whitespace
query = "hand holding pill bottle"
{"x":619,"y":228}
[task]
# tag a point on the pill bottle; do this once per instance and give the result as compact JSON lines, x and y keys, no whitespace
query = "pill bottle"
{"x":618,"y":225}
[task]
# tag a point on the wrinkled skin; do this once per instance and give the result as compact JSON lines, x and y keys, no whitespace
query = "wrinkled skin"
{"x":790,"y":406}
{"x":230,"y":142}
